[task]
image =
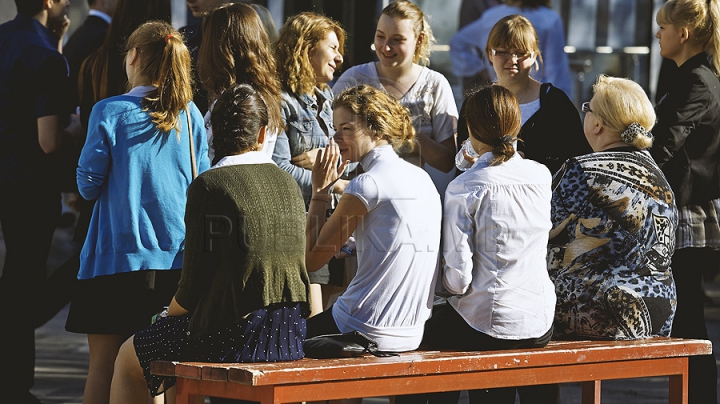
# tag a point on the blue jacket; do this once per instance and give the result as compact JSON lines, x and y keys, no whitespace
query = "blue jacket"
{"x":140,"y":177}
{"x":305,"y":130}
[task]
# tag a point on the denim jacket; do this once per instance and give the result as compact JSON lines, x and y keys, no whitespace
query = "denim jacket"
{"x":303,"y":131}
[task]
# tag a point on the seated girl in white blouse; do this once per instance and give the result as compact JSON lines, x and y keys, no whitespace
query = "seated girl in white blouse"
{"x":394,"y":212}
{"x":495,"y":235}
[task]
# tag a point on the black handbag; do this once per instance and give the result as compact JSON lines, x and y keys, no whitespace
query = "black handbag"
{"x":345,"y":345}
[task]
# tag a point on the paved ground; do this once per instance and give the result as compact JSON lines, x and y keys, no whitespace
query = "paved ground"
{"x":62,"y":357}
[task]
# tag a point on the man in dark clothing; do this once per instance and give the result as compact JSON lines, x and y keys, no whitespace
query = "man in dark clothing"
{"x":33,"y":83}
{"x":86,"y":39}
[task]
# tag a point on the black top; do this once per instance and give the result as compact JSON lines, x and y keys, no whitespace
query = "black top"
{"x":84,"y":41}
{"x":687,"y":144}
{"x":193,"y":39}
{"x":554,"y":133}
{"x":33,"y":82}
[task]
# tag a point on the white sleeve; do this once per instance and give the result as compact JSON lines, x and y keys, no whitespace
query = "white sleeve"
{"x":457,"y":237}
{"x":444,"y":113}
{"x":364,"y":188}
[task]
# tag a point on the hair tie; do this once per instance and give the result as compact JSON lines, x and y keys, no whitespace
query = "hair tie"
{"x":505,"y":140}
{"x":631,"y":133}
{"x":167,"y":37}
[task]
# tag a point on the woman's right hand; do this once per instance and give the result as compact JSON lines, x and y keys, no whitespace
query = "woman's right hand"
{"x":325,"y":171}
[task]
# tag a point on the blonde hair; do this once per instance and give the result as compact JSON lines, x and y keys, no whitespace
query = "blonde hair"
{"x":701,"y":18}
{"x":493,"y":118}
{"x":165,"y":61}
{"x":620,"y":102}
{"x":406,"y":10}
{"x":297,"y":39}
{"x":514,"y":31}
{"x":384,"y":116}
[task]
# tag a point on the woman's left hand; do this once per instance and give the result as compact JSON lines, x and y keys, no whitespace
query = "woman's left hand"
{"x":325,"y":170}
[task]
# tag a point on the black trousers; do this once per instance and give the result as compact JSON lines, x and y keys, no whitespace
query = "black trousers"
{"x":28,"y":218}
{"x":688,"y":265}
{"x":448,"y":330}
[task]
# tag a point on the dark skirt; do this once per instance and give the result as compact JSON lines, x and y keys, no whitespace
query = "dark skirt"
{"x":121,"y":303}
{"x":271,"y":334}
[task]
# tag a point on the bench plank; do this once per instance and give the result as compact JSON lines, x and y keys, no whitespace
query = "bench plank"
{"x":428,"y":371}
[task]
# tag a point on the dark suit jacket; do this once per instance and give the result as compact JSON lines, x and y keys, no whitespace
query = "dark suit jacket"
{"x":687,"y":135}
{"x":84,"y":41}
{"x":193,"y":39}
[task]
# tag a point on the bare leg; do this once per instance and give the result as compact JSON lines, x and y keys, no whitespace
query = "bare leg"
{"x":316,"y":302}
{"x":103,"y":350}
{"x":128,"y":383}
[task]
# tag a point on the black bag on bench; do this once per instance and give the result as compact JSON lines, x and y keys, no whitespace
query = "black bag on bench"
{"x":346,"y":345}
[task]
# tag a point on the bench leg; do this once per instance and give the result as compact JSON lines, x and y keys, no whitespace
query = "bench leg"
{"x":679,"y":389}
{"x":184,"y":396}
{"x":591,"y":392}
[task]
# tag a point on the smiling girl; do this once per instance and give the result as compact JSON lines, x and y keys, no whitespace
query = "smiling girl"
{"x":403,"y":39}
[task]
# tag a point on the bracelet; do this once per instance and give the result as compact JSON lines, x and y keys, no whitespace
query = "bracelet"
{"x":325,"y":199}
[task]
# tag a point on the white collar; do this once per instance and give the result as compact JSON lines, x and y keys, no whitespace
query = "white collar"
{"x":251,"y":157}
{"x":140,"y":91}
{"x":100,"y":14}
{"x":375,"y":154}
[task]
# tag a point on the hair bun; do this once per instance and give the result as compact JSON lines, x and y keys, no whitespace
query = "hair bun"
{"x":505,"y":140}
{"x":631,"y":133}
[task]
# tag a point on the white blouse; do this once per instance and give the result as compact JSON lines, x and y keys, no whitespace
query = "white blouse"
{"x":397,"y":244}
{"x":495,"y":236}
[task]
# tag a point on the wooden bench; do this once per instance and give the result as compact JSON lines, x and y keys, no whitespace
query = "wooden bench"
{"x":588,"y":362}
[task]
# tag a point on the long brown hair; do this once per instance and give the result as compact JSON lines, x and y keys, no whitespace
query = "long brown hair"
{"x":105,"y":65}
{"x":493,"y":118}
{"x":235,"y":49}
{"x":298,"y":38}
{"x":165,"y":61}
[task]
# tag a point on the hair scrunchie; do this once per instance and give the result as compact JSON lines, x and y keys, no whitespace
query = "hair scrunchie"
{"x":631,"y":133}
{"x":507,"y":140}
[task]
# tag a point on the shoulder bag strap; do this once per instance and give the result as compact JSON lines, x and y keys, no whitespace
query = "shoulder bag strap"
{"x":193,"y":164}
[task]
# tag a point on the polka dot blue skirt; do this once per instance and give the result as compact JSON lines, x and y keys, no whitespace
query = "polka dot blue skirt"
{"x":267,"y":335}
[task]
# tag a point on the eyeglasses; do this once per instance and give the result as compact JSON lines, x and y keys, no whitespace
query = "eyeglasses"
{"x":508,"y":55}
{"x":586,"y":107}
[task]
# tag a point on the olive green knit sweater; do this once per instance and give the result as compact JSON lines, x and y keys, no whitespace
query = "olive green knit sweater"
{"x":244,"y":247}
